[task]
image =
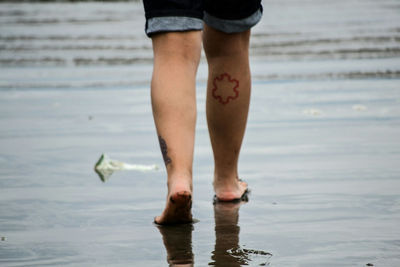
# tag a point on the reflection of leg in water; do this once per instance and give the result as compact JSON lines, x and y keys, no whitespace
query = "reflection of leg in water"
{"x":227,"y":252}
{"x":178,"y":243}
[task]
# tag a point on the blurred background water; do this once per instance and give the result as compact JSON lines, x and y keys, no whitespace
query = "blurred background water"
{"x":102,"y":45}
{"x":321,"y":152}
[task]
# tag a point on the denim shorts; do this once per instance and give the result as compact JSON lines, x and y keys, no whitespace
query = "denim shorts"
{"x":229,"y":16}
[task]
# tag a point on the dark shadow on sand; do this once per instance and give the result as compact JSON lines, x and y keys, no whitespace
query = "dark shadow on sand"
{"x":227,"y":251}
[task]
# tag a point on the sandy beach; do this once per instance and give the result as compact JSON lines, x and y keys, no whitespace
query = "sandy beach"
{"x":321,"y":152}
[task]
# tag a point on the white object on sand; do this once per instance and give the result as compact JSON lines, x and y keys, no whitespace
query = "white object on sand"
{"x":105,"y":166}
{"x":359,"y":107}
{"x":312,"y":112}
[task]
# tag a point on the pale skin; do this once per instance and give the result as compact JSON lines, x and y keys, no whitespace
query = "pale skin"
{"x":176,"y":58}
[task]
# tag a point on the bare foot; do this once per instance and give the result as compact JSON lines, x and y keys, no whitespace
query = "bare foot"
{"x":229,"y":190}
{"x":178,"y":208}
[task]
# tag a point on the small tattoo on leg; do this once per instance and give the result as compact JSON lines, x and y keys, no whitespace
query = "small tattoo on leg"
{"x":164,"y":150}
{"x":225,"y":88}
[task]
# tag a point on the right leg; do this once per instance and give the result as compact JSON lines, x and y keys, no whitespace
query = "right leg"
{"x":228,"y":97}
{"x":176,"y":58}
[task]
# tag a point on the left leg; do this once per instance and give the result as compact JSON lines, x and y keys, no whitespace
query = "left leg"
{"x":174,"y":26}
{"x":176,"y":57}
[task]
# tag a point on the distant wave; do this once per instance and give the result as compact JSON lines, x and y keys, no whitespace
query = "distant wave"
{"x":66,"y":35}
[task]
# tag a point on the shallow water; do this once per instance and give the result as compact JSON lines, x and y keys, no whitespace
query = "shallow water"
{"x":321,"y":150}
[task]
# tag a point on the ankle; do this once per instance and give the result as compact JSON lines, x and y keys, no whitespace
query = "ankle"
{"x":179,"y":182}
{"x":228,"y":182}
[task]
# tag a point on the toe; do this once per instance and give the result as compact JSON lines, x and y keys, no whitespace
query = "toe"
{"x":157,"y":220}
{"x":243,"y":185}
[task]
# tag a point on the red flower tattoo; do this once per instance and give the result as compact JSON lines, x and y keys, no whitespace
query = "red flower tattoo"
{"x":225,"y":88}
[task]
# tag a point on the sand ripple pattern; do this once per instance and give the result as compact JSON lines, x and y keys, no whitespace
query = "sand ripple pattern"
{"x":106,"y":42}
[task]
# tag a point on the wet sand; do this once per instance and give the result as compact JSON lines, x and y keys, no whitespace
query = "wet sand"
{"x":321,"y":152}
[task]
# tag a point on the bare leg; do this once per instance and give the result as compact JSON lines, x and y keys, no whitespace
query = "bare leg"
{"x":228,"y":97}
{"x":176,"y":58}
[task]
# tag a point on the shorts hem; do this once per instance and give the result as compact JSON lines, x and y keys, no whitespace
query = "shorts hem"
{"x":172,"y":24}
{"x":233,"y":26}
